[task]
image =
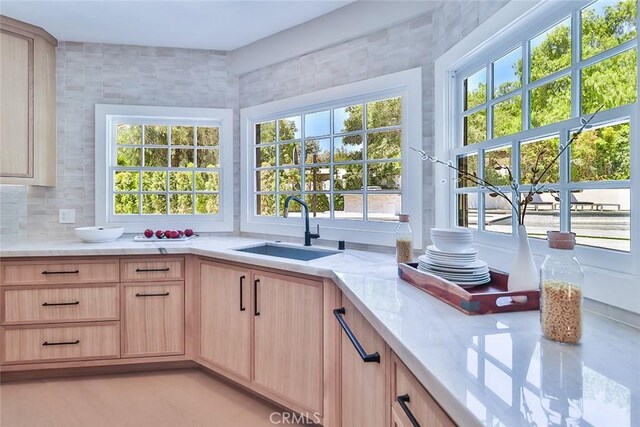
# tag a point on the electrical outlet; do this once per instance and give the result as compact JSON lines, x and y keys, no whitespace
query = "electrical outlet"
{"x":67,"y":216}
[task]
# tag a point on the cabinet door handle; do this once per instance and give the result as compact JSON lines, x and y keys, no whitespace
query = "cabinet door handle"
{"x":373,"y":357}
{"x":255,"y":297}
{"x":148,"y":270}
{"x":61,"y":343}
{"x":242,"y":308}
{"x":402,"y":401}
{"x":61,"y":272}
{"x":164,"y":294}
{"x":53,"y":304}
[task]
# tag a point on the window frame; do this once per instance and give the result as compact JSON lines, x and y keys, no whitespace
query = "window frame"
{"x":515,"y":21}
{"x":108,"y":116}
{"x":406,"y":84}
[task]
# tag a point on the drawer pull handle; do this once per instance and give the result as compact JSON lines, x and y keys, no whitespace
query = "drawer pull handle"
{"x":373,"y":357}
{"x":149,"y":270}
{"x":242,"y":307}
{"x":61,"y":272}
{"x":402,"y":401}
{"x":164,"y":294}
{"x":255,"y":297}
{"x":61,"y":343}
{"x":53,"y":304}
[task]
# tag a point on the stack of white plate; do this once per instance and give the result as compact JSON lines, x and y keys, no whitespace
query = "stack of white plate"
{"x":461,"y":268}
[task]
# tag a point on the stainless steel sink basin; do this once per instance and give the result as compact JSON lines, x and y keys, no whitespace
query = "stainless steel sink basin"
{"x":291,"y":252}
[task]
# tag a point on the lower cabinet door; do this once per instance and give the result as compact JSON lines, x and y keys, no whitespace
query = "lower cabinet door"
{"x":287,"y":315}
{"x":225,"y":318}
{"x":153,"y":319}
{"x":364,"y":399}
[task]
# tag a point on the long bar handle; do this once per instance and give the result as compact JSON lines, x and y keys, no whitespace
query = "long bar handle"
{"x":255,"y":297}
{"x":242,"y":307}
{"x":61,"y":343}
{"x":373,"y":357}
{"x":53,"y":304}
{"x":164,"y":294}
{"x":402,"y":401}
{"x":148,"y":270}
{"x":61,"y":272}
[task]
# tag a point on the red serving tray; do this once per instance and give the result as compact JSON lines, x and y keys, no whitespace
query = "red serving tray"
{"x":492,"y":297}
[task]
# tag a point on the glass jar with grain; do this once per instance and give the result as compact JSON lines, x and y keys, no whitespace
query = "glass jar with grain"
{"x":404,"y":240}
{"x":561,"y":278}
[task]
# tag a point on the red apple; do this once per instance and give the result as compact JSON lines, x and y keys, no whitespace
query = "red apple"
{"x":188,"y":232}
{"x":148,"y":233}
{"x":181,"y":233}
{"x":167,"y":234}
{"x":175,"y":235}
{"x":159,"y":234}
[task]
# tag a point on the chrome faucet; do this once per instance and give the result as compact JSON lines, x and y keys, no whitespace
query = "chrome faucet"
{"x":307,"y":235}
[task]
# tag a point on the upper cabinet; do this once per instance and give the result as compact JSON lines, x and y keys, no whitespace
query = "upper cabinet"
{"x":27,"y":104}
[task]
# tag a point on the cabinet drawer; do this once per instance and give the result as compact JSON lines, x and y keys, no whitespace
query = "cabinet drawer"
{"x":153,"y":319}
{"x":67,"y":272}
{"x":56,"y":343}
{"x":411,"y":399}
{"x":135,"y":270}
{"x":60,"y":304}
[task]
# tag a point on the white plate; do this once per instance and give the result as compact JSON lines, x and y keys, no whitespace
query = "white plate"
{"x":433,"y":249}
{"x":474,"y":265}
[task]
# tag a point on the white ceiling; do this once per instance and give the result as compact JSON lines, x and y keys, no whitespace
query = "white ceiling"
{"x":205,"y":24}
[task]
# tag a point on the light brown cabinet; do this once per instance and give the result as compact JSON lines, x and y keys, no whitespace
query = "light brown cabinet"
{"x":27,"y":104}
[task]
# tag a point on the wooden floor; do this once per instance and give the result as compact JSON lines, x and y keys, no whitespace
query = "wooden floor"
{"x":186,"y":397}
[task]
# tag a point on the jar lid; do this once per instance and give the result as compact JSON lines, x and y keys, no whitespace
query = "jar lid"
{"x":403,"y":217}
{"x":561,"y":239}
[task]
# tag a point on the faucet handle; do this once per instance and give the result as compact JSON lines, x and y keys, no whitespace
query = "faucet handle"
{"x":318,"y":229}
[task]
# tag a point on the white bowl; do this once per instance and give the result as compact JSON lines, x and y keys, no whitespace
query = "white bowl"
{"x":451,"y":245}
{"x":451,"y":232}
{"x":99,"y":234}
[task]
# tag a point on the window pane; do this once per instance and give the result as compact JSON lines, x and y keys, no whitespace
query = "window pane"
{"x":266,"y":132}
{"x":602,"y":154}
{"x":507,"y":117}
{"x":154,"y":181}
{"x":384,"y":145}
{"x":468,"y":210}
{"x":295,"y":210}
{"x":154,"y":204}
{"x":347,"y":148}
{"x":606,"y":24}
{"x":208,"y":158}
{"x":181,"y":204}
{"x":384,"y":176}
{"x":542,"y":215}
{"x":126,"y":204}
{"x":551,"y":50}
{"x":475,"y":89}
{"x":318,"y":150}
{"x":207,"y":204}
{"x":347,"y":119}
{"x":289,"y":179}
{"x":207,"y":181}
{"x":497,"y":214}
{"x":208,"y":136}
{"x":129,"y":156}
{"x":266,"y":180}
{"x":155,"y":135}
{"x":126,"y":181}
{"x":317,"y":179}
{"x":318,"y":205}
{"x":495,"y":163}
{"x":602,"y":218}
{"x":535,"y":156}
{"x":468,"y":164}
{"x":619,"y":72}
{"x":348,"y":206}
{"x":266,"y":156}
{"x":347,"y":177}
{"x":475,"y":127}
{"x":317,"y":124}
{"x":181,"y":158}
{"x":384,"y":113}
{"x":551,"y":102}
{"x":289,"y":128}
{"x":182,"y":135}
{"x":383,"y":207}
{"x":266,"y":204}
{"x":129,"y":134}
{"x":156,"y":157}
{"x":289,"y":154}
{"x":507,"y":73}
{"x":181,"y":181}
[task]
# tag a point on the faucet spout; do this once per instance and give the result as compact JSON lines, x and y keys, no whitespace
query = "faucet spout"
{"x":307,"y":234}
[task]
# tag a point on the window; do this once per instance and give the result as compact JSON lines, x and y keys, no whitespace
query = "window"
{"x":342,"y":151}
{"x":163,"y":167}
{"x":519,"y":101}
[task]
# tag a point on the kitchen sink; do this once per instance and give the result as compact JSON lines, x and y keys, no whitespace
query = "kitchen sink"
{"x":291,"y":252}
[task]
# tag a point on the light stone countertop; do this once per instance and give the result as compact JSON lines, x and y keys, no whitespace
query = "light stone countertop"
{"x":487,"y":370}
